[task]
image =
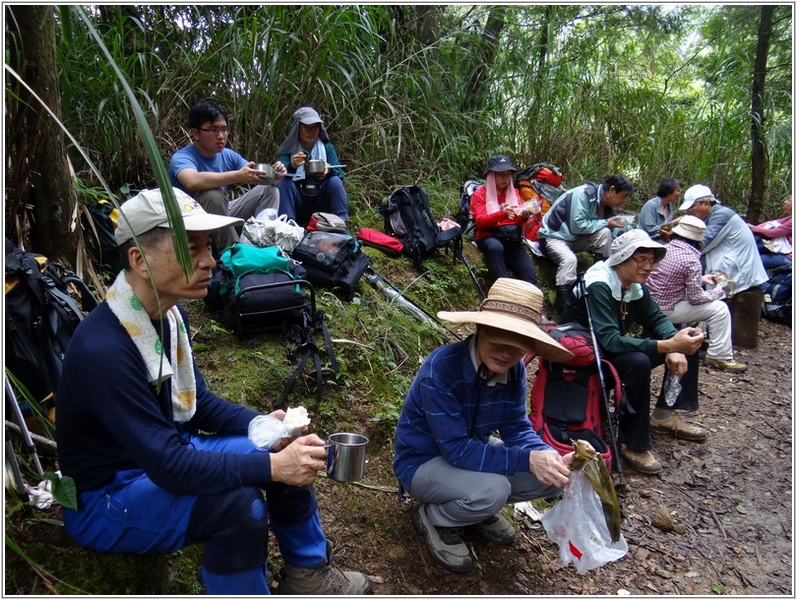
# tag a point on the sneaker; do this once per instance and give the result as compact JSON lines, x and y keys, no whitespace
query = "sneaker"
{"x":725,"y":365}
{"x":323,"y":581}
{"x":497,"y":529}
{"x":644,"y":462}
{"x":679,"y":428}
{"x":445,"y":543}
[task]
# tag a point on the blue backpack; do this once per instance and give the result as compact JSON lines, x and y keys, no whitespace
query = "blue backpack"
{"x":777,"y":297}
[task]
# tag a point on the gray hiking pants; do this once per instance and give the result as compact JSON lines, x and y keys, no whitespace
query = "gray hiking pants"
{"x":252,"y":203}
{"x":457,"y":497}
{"x":564,"y":253}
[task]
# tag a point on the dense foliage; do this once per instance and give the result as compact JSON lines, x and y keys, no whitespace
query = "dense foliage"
{"x":428,"y":92}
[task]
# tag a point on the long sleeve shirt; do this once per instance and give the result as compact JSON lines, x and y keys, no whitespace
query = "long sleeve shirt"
{"x":486,"y":221}
{"x":575,"y":213}
{"x":450,"y":411}
{"x":332,"y":159}
{"x":109,"y":418}
{"x":679,"y":277}
{"x":652,"y":217}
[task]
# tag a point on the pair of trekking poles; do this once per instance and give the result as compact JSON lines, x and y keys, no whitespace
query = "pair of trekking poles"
{"x":27,"y":438}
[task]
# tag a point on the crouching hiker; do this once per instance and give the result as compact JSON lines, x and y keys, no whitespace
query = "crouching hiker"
{"x":446,"y":456}
{"x":131,"y":405}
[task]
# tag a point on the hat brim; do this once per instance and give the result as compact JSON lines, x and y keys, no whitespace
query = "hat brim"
{"x":209,"y":222}
{"x":501,"y":169}
{"x":686,"y":205}
{"x":539,"y":342}
{"x":659,"y":251}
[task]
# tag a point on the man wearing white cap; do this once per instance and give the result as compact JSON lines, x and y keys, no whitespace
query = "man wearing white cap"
{"x":728,"y":244}
{"x":303,"y":194}
{"x":446,"y":456}
{"x":207,"y":167}
{"x":616,"y":300}
{"x":676,"y":285}
{"x":159,"y":461}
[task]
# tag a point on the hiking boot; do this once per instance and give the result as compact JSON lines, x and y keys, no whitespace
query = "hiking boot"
{"x":323,"y":581}
{"x":445,"y":543}
{"x":725,"y":365}
{"x":497,"y":530}
{"x":679,"y":428}
{"x":644,"y":461}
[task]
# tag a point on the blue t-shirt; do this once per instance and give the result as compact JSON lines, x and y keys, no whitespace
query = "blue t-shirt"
{"x":189,"y":157}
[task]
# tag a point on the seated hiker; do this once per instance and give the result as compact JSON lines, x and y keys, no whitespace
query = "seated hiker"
{"x":618,"y":298}
{"x":206,"y":168}
{"x":303,"y":194}
{"x":159,"y":461}
{"x":446,"y":456}
{"x":581,"y":220}
{"x":676,"y":284}
{"x":499,"y":218}
{"x":660,"y":210}
{"x":728,"y":244}
{"x":775,"y":239}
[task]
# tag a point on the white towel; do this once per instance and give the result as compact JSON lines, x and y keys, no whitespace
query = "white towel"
{"x":127,"y":308}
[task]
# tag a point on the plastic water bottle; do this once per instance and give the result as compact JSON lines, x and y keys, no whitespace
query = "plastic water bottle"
{"x":672,"y":388}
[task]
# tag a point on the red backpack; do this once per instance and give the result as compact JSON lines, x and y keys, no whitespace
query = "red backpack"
{"x":566,"y":399}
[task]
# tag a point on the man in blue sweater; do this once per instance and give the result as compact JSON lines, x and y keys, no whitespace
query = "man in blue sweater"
{"x":446,"y":456}
{"x":131,"y":406}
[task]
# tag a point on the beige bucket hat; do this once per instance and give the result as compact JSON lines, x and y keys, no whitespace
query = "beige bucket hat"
{"x":513,"y":306}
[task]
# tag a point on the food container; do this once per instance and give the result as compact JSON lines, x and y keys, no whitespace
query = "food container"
{"x":624,"y":220}
{"x":346,"y":457}
{"x":315,"y":167}
{"x":268,"y":175}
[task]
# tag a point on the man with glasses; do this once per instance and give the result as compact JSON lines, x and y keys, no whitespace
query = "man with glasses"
{"x":618,"y":299}
{"x":205,"y":168}
{"x":304,"y":193}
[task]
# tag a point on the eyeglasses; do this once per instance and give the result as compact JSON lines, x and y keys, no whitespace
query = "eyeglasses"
{"x":645,"y":261}
{"x":309,"y":127}
{"x":215,"y":131}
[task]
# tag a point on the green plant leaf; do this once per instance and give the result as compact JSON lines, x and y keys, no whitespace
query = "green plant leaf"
{"x":64,"y":490}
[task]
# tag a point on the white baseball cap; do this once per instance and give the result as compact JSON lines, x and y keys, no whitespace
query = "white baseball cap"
{"x":146,"y":211}
{"x":695,"y":193}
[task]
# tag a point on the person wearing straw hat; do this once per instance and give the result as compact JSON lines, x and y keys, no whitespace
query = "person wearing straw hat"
{"x":676,"y":284}
{"x":446,"y":457}
{"x":207,"y":167}
{"x":619,"y":299}
{"x":302,"y":194}
{"x":728,"y":244}
{"x":159,"y":461}
{"x":499,"y":217}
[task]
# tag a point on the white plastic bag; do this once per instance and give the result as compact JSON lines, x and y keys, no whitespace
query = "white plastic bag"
{"x":578,"y":525}
{"x":265,"y":431}
{"x":284,"y":232}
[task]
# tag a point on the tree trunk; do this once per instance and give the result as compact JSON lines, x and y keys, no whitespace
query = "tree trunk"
{"x":40,"y":194}
{"x":489,"y":43}
{"x":759,"y":158}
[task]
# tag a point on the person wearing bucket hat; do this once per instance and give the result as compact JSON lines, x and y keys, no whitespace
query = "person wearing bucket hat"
{"x":660,"y":210}
{"x":729,"y":247}
{"x":305,"y":193}
{"x":499,"y":219}
{"x":616,"y":299}
{"x":446,"y":457}
{"x":676,"y":284}
{"x":205,"y":168}
{"x":581,"y":220}
{"x":158,"y":460}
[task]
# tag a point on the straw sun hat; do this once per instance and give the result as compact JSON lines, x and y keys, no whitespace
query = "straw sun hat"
{"x":512,"y":310}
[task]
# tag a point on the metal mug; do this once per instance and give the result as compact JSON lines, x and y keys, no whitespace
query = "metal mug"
{"x":346,"y":457}
{"x":269,"y":177}
{"x":314,"y":167}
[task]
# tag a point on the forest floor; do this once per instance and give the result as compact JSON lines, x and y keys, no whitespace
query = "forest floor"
{"x":732,"y":495}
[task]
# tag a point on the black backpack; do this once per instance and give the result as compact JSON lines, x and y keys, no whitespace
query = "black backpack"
{"x":332,"y":260}
{"x":464,"y":217}
{"x":777,"y":304}
{"x":41,"y":317}
{"x":408,"y":218}
{"x":270,"y":293}
{"x":99,"y":221}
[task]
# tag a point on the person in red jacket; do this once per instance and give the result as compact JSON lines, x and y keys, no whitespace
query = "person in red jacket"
{"x":499,"y":216}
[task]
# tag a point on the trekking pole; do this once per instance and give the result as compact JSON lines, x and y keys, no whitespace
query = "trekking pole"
{"x":11,"y":458}
{"x":582,"y":287}
{"x":394,"y":294}
{"x":23,"y":426}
